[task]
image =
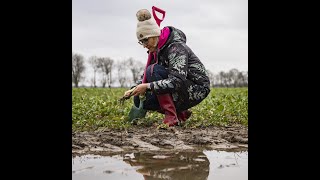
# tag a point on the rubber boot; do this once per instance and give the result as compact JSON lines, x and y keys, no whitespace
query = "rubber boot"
{"x":167,"y":105}
{"x":184,"y":115}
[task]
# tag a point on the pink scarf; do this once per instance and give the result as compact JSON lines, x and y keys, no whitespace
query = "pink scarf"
{"x":165,"y":32}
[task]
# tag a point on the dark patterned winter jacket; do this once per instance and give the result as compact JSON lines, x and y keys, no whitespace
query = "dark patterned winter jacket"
{"x":188,"y":80}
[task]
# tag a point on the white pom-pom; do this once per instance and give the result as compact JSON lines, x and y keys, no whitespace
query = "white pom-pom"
{"x":143,"y":14}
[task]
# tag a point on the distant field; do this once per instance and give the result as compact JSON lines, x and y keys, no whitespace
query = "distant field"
{"x":99,"y":107}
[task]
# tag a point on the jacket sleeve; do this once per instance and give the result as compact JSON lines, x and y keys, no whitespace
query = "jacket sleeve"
{"x":177,"y":71}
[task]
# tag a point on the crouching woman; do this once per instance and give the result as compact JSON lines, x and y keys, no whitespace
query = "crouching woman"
{"x":176,"y":79}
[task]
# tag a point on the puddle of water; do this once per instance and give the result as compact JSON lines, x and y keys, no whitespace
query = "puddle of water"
{"x":210,"y":165}
{"x":228,"y":165}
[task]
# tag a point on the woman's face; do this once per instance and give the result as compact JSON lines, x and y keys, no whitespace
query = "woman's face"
{"x":150,"y":43}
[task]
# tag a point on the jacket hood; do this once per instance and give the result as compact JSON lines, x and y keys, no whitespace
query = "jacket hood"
{"x":176,"y":36}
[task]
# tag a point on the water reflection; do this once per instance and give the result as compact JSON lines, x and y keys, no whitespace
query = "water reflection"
{"x":170,"y":165}
{"x":207,"y":165}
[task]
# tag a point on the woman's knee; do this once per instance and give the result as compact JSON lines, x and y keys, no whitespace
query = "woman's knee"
{"x":156,"y":72}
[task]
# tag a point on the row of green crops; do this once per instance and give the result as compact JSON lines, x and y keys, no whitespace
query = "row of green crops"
{"x":93,"y":108}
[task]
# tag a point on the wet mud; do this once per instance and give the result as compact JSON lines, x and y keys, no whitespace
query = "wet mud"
{"x":137,"y":139}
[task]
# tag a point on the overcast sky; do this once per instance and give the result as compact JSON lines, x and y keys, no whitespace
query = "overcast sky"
{"x":216,"y":30}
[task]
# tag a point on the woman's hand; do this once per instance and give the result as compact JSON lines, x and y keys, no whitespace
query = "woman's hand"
{"x":140,"y":89}
{"x":129,"y":92}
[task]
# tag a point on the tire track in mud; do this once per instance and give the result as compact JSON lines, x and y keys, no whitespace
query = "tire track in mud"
{"x":107,"y":141}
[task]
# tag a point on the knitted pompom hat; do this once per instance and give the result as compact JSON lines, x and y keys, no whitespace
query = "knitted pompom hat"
{"x":146,"y":26}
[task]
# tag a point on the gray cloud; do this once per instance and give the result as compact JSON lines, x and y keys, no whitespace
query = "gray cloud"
{"x":216,"y":30}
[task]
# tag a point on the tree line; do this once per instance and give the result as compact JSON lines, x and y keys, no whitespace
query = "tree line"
{"x":129,"y":71}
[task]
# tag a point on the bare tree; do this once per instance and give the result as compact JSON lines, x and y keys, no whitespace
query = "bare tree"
{"x":105,"y":64}
{"x":93,"y":61}
{"x":77,"y":68}
{"x":217,"y":80}
{"x":233,"y":76}
{"x":122,"y":76}
{"x":245,"y":77}
{"x":211,"y":78}
{"x":136,"y":68}
{"x":223,"y":79}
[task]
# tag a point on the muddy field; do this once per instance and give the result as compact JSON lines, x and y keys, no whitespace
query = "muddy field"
{"x":108,"y":142}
